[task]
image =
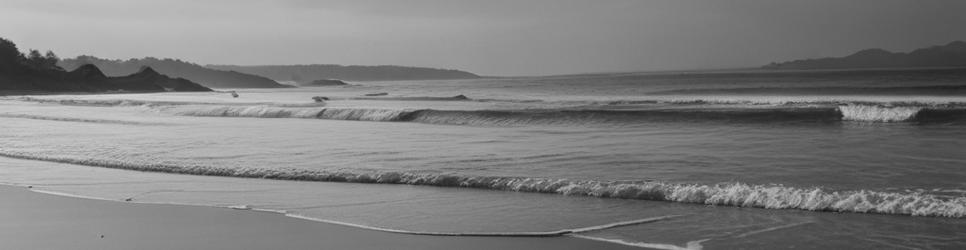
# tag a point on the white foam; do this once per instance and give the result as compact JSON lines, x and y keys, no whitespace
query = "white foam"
{"x":851,"y":108}
{"x":555,"y":233}
{"x":800,"y":100}
{"x":876,"y":113}
{"x":283,"y":111}
{"x":259,"y":111}
{"x":68,"y":195}
{"x":241,"y":207}
{"x":691,"y":245}
{"x":620,"y":224}
{"x":363,"y":114}
{"x":726,"y":194}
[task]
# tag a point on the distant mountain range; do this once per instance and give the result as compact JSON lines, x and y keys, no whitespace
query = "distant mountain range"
{"x":949,"y":55}
{"x":305,"y":74}
{"x":36,"y":73}
{"x":176,"y":68}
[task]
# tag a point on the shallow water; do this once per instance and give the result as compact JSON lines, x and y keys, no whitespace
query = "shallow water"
{"x":766,"y":162}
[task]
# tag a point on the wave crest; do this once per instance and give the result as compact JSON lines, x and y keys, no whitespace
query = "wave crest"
{"x":363,"y":114}
{"x":724,"y":194}
{"x":680,"y":111}
{"x":244,"y":111}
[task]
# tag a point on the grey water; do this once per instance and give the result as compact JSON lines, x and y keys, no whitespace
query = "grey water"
{"x":749,"y":159}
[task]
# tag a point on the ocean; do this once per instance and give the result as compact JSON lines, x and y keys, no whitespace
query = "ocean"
{"x":668,"y":160}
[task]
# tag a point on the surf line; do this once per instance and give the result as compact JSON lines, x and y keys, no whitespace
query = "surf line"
{"x":693,"y":245}
{"x":71,"y":119}
{"x":558,"y":233}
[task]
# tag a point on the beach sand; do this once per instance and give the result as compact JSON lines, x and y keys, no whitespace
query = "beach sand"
{"x":34,"y":220}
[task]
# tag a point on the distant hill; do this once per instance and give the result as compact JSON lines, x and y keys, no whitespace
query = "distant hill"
{"x":304,"y":74}
{"x":177,"y":68}
{"x":949,"y":55}
{"x":36,"y":73}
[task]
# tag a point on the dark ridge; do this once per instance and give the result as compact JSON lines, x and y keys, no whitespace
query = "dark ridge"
{"x":147,"y":71}
{"x":303,"y":74}
{"x":88,"y":71}
{"x":175,"y":68}
{"x":324,"y":82}
{"x":40,"y":74}
{"x":949,"y":55}
{"x":149,"y":75}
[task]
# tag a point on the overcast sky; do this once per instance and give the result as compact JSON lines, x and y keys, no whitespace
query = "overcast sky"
{"x":490,"y":37}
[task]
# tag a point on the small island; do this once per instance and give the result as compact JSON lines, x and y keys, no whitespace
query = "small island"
{"x":39,"y":73}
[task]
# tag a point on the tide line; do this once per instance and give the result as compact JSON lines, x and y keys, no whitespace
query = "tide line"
{"x":557,"y":233}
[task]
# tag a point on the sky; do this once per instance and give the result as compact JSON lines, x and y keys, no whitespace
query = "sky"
{"x":487,"y":37}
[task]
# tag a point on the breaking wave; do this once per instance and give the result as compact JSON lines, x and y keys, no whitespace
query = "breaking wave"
{"x":259,"y":111}
{"x":577,"y":117}
{"x":679,"y":110}
{"x":723,"y":194}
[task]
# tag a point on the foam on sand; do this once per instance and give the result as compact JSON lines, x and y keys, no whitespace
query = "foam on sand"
{"x":176,"y":227}
{"x":556,"y":233}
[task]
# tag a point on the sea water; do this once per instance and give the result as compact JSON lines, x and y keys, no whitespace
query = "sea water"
{"x":864,"y":159}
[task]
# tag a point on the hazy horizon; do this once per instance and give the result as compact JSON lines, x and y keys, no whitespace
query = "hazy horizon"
{"x":615,"y":124}
{"x":495,"y":38}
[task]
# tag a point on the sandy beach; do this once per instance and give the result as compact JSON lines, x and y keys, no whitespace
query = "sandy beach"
{"x":43,"y":221}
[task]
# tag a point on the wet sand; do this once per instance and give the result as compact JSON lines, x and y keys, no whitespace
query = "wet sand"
{"x":34,"y":220}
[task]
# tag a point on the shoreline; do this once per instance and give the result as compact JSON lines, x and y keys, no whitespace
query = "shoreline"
{"x":45,"y":220}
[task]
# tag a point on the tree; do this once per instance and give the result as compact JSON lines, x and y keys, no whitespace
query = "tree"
{"x":10,"y":56}
{"x":50,"y":61}
{"x":43,"y":62}
{"x":35,"y":60}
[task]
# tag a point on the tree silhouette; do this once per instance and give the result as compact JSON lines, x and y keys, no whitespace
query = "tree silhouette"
{"x":10,"y":56}
{"x":35,"y":60}
{"x":50,"y":61}
{"x":39,"y":61}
